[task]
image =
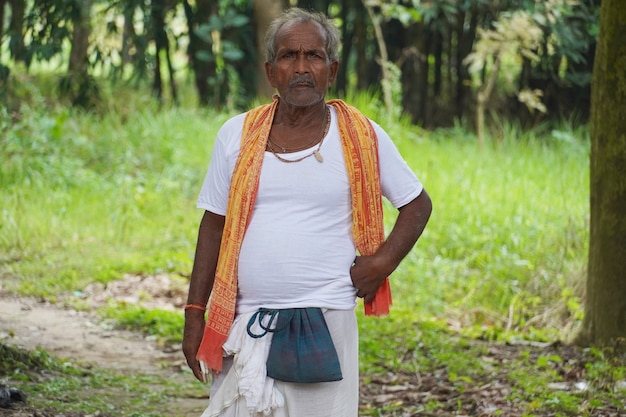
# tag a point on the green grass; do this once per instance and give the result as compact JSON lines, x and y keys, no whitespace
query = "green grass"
{"x":90,"y":197}
{"x":160,"y":323}
{"x":87,"y":198}
{"x":507,"y":238}
{"x":59,"y":384}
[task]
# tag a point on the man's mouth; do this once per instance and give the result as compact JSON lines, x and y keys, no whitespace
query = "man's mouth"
{"x":301,"y":83}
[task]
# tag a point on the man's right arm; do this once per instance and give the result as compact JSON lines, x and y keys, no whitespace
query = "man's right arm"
{"x":201,"y":284}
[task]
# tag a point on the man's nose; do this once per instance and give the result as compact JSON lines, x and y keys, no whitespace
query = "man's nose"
{"x":302,"y":63}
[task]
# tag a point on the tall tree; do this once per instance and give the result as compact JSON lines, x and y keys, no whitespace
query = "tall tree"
{"x":78,"y":85}
{"x":16,"y":27}
{"x":383,"y":58}
{"x":605,"y":304}
{"x":264,"y":12}
{"x":79,"y":61}
{"x":200,"y":47}
{"x":158,"y":11}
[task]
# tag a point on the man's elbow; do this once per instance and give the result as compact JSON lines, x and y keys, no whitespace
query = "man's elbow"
{"x":418,"y":211}
{"x":425,"y":203}
{"x":421,"y":205}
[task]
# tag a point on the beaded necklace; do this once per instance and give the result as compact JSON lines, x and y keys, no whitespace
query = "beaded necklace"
{"x":316,"y":152}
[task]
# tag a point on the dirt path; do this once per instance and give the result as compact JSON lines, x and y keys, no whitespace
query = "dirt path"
{"x":80,"y":336}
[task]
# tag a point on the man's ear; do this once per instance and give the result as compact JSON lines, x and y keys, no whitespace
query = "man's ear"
{"x":269,"y":73}
{"x":334,"y":68}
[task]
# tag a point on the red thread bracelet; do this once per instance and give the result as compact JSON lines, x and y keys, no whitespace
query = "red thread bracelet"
{"x":194,"y":307}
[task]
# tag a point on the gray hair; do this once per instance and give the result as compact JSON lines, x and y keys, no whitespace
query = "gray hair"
{"x":298,"y":15}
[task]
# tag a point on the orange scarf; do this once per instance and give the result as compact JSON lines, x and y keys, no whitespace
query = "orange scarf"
{"x":360,"y":148}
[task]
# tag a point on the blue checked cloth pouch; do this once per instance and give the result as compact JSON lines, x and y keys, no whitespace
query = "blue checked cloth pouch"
{"x":302,"y":349}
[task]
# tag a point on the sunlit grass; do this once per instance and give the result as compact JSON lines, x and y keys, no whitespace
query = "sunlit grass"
{"x":89,"y":197}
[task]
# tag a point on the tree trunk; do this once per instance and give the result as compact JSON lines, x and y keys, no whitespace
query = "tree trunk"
{"x":605,"y":304}
{"x":78,"y":85}
{"x":16,"y":29}
{"x":438,"y":63}
{"x":128,"y":35}
{"x":79,"y":62}
{"x":383,"y":59}
{"x":158,"y":10}
{"x":482,"y":97}
{"x":465,"y":43}
{"x":360,"y":46}
{"x":203,"y":71}
{"x":423,"y":75}
{"x":264,"y":12}
{"x":347,"y":35}
{"x":2,"y":8}
{"x":411,"y":66}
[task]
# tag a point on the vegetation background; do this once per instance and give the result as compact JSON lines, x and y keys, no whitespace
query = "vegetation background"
{"x":102,"y":163}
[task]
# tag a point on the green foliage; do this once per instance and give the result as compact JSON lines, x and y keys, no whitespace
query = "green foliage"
{"x":543,"y":382}
{"x":165,"y":325}
{"x":81,"y":90}
{"x":606,"y":369}
{"x":569,"y":28}
{"x":223,"y":50}
{"x":19,"y":363}
{"x":122,"y":47}
{"x":48,"y":24}
{"x":57,"y":384}
{"x":225,"y":54}
{"x":111,"y":189}
{"x":412,"y":345}
{"x":506,"y":245}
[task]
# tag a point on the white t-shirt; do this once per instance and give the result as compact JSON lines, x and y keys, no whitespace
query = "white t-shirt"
{"x":298,"y":248}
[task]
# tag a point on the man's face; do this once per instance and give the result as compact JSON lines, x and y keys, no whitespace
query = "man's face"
{"x":301,"y":73}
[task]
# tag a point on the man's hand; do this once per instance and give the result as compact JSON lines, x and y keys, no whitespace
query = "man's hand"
{"x":200,"y":286}
{"x":192,"y":336}
{"x":368,"y":274}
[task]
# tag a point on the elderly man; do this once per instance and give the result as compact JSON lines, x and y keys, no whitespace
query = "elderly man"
{"x":292,"y":234}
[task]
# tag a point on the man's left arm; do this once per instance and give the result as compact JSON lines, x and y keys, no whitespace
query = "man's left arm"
{"x":369,"y":272}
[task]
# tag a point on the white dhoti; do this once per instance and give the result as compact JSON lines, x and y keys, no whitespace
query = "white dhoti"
{"x":243,"y":388}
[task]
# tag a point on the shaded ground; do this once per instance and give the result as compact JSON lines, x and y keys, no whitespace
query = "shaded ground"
{"x":80,"y":336}
{"x":491,"y":395}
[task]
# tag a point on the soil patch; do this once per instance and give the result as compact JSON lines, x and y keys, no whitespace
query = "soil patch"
{"x":83,"y":337}
{"x":78,"y":335}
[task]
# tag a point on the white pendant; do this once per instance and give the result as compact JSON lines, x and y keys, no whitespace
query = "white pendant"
{"x":318,"y":156}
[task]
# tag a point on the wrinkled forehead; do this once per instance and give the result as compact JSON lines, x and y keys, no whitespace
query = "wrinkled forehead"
{"x":309,"y":31}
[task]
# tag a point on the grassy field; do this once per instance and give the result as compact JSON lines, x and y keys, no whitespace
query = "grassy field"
{"x":90,"y":197}
{"x":87,"y":198}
